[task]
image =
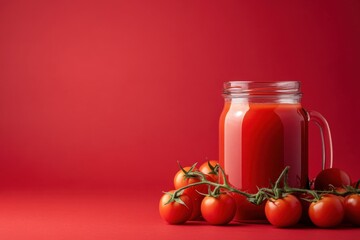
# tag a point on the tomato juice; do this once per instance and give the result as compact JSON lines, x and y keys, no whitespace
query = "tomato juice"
{"x":257,"y":141}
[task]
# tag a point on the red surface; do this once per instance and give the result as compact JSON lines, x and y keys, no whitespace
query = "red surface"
{"x":95,"y":95}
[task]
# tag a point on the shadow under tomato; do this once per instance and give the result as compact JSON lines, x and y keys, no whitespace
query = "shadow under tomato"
{"x":204,"y":223}
{"x":298,"y":226}
{"x":344,"y":226}
{"x":312,"y":226}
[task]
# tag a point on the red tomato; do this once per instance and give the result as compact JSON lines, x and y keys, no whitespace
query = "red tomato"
{"x":218,"y":210}
{"x":175,"y":212}
{"x":181,"y":180}
{"x":245,"y":210}
{"x":283,"y":212}
{"x":305,"y":219}
{"x":196,"y":212}
{"x":327,"y":212}
{"x":331,"y":176}
{"x":206,"y":169}
{"x":352,"y":209}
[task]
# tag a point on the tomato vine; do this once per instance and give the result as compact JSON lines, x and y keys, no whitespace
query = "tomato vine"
{"x":277,"y":191}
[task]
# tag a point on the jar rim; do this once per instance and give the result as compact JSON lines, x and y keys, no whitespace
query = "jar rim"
{"x":262,"y":87}
{"x":263,"y":90}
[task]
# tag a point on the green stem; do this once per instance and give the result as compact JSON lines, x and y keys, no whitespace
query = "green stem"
{"x":247,"y":195}
{"x":216,"y":185}
{"x":282,"y":175}
{"x":223,"y":176}
{"x":263,"y":193}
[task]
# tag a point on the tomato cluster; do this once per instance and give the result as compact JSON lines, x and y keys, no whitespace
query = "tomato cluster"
{"x":197,"y":202}
{"x":326,"y":212}
{"x":199,"y":195}
{"x":333,"y":201}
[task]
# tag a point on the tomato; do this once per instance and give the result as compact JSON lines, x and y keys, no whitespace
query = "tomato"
{"x":327,"y":212}
{"x":207,"y":168}
{"x":283,"y":212}
{"x":305,"y":199}
{"x":181,"y":180}
{"x":341,"y":198}
{"x":196,"y":212}
{"x":352,"y":209}
{"x":331,"y":176}
{"x":175,"y":212}
{"x":218,"y":210}
{"x":245,"y":210}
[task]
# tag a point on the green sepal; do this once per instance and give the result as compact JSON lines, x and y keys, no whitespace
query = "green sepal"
{"x":190,"y":172}
{"x":213,"y":169}
{"x":192,"y":167}
{"x":180,"y":201}
{"x":171,"y":197}
{"x":357,"y":185}
{"x":252,"y":200}
{"x":180,"y":193}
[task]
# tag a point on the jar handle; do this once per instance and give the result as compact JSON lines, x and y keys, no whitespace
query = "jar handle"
{"x":327,"y":147}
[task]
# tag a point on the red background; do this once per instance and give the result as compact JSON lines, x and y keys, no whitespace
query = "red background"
{"x":106,"y":96}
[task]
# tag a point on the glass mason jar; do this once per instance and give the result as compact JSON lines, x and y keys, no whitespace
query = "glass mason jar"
{"x":264,"y":128}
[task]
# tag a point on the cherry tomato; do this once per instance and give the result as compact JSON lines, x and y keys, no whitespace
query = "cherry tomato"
{"x":305,"y":199}
{"x":218,"y":210}
{"x":331,"y":176}
{"x":283,"y":212}
{"x":208,"y":170}
{"x":196,"y":212}
{"x":327,"y":212}
{"x":181,"y":180}
{"x":245,"y":210}
{"x":352,"y":209}
{"x":175,"y":212}
{"x":341,"y":191}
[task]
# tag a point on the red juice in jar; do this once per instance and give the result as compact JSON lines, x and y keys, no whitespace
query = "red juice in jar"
{"x":263,"y":129}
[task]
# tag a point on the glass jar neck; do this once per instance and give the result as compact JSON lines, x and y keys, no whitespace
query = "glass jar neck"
{"x":262,"y":92}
